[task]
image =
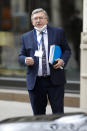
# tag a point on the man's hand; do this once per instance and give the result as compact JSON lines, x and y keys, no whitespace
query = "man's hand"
{"x":59,"y":63}
{"x":29,"y":61}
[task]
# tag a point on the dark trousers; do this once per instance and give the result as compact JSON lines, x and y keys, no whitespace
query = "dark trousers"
{"x":43,"y":91}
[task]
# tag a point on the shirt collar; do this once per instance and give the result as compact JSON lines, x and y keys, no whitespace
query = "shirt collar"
{"x":44,"y":30}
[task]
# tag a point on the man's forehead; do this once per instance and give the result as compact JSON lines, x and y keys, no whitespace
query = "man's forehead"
{"x":39,"y":14}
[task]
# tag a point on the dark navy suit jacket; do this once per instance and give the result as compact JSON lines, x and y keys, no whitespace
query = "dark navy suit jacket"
{"x":28,"y":46}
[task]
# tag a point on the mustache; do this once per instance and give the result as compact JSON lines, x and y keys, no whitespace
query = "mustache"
{"x":38,"y":23}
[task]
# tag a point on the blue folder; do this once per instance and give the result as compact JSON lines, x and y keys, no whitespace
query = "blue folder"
{"x":55,"y":53}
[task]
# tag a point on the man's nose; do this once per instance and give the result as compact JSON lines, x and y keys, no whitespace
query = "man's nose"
{"x":38,"y":19}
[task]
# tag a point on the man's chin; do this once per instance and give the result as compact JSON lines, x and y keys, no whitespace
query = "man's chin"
{"x":40,"y":26}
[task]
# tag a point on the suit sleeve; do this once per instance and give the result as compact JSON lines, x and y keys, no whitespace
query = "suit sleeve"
{"x":66,"y":51}
{"x":22,"y":52}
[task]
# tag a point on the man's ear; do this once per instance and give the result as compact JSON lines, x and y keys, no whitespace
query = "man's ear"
{"x":47,"y":21}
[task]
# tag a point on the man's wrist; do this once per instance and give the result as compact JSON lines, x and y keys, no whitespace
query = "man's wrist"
{"x":25,"y":60}
{"x":63,"y":63}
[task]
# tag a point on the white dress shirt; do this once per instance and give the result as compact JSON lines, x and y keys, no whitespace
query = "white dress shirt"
{"x":39,"y":37}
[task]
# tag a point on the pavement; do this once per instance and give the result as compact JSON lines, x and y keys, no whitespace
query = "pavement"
{"x":10,"y":109}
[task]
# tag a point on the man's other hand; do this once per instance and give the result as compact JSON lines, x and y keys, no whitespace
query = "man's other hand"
{"x":29,"y":61}
{"x":59,"y":63}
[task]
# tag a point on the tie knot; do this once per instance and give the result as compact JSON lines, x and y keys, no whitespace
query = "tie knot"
{"x":41,"y":32}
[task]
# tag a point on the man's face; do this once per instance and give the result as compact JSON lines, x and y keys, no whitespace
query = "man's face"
{"x":39,"y":19}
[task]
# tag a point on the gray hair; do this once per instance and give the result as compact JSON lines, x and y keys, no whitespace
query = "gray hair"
{"x":38,"y":10}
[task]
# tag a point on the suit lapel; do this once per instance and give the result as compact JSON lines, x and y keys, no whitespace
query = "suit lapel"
{"x":33,"y":41}
{"x":49,"y":38}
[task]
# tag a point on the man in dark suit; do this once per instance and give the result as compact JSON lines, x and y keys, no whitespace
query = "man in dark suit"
{"x":44,"y":81}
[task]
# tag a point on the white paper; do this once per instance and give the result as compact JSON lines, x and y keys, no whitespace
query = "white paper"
{"x":38,"y":53}
{"x":52,"y":47}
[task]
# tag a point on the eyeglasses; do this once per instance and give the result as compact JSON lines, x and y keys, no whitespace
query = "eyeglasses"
{"x":40,"y":18}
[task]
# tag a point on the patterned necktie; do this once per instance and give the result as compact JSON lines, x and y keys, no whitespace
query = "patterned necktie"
{"x":44,"y":66}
